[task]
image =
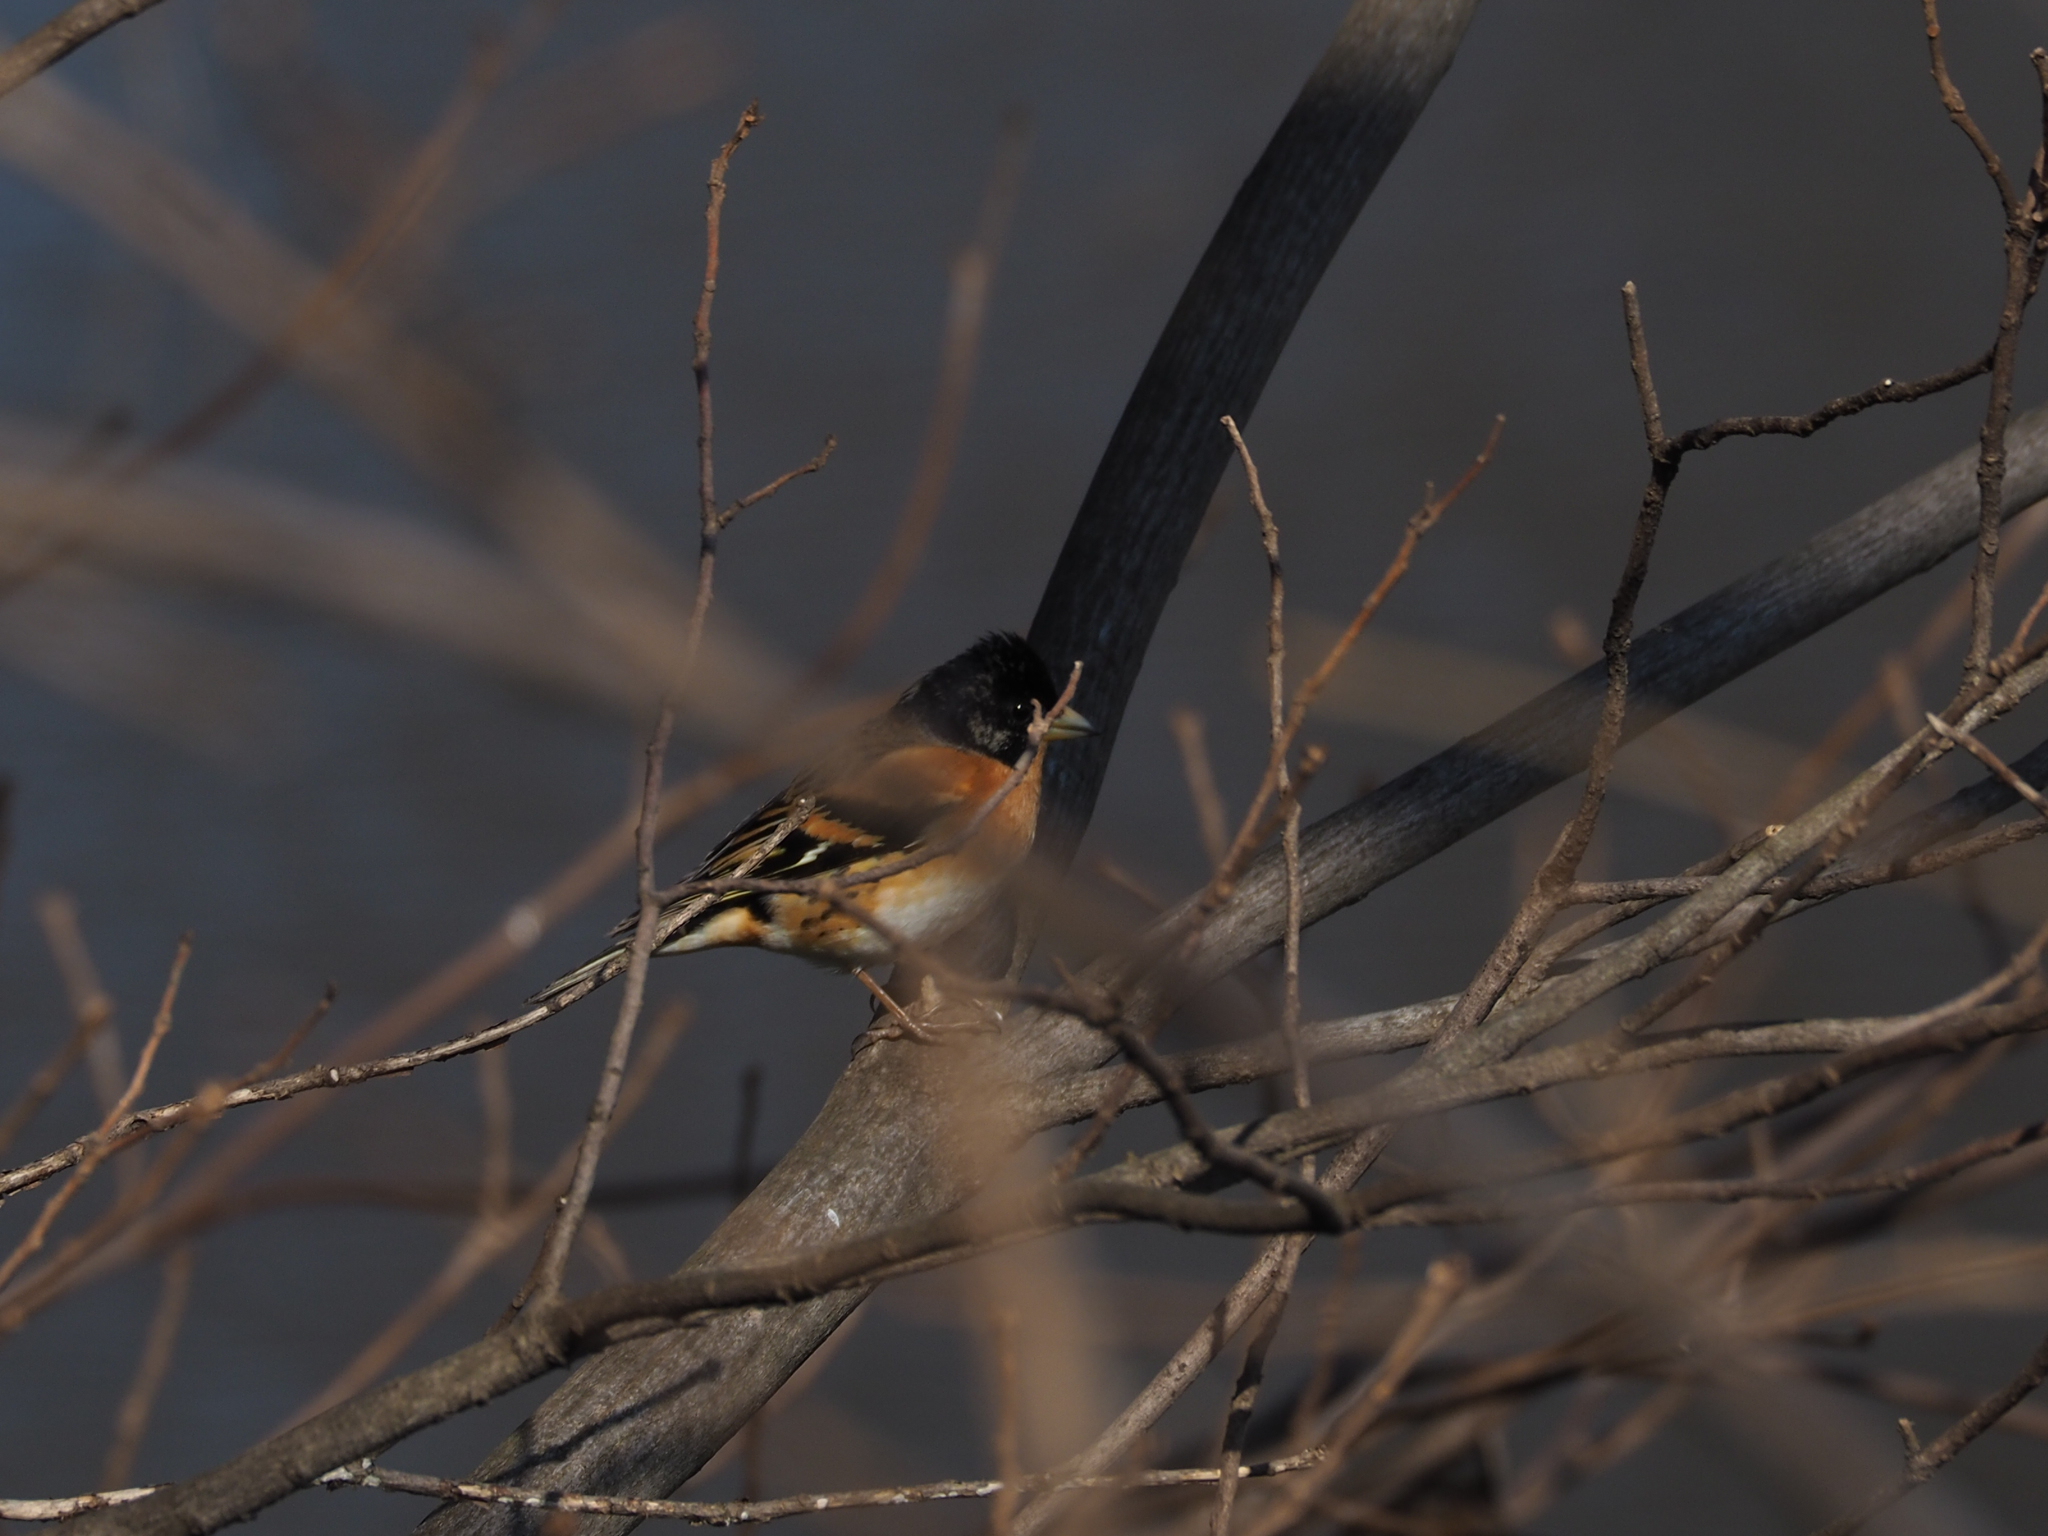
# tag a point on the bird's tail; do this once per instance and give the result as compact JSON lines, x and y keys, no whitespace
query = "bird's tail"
{"x":595,"y":973}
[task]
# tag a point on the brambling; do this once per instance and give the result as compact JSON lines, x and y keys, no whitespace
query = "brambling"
{"x":915,"y":776}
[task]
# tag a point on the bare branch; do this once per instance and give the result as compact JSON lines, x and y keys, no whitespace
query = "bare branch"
{"x":1009,"y":1467}
{"x":101,"y":1142}
{"x":1991,"y":760}
{"x":1923,"y":1463}
{"x":700,"y":331}
{"x":62,"y":35}
{"x":761,"y":1511}
{"x":1959,"y":112}
{"x":1445,"y":1281}
{"x":552,"y":1262}
{"x":1244,"y":1396}
{"x":495,"y":1233}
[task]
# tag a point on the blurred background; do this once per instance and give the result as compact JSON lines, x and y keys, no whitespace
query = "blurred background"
{"x":356,"y":653}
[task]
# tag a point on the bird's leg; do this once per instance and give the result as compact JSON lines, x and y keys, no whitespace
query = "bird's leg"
{"x":899,"y":1025}
{"x":956,"y":1015}
{"x":928,"y":1021}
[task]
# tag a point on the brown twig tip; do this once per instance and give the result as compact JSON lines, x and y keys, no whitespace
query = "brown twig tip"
{"x":1959,"y":111}
{"x":700,"y":328}
{"x":1639,"y":365}
{"x":752,"y":498}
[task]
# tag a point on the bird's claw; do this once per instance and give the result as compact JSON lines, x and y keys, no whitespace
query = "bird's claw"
{"x":933,"y":1019}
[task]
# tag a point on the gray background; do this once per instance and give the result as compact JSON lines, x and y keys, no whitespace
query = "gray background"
{"x":1778,"y":180}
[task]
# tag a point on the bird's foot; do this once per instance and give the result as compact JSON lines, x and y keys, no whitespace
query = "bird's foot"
{"x":934,"y":1019}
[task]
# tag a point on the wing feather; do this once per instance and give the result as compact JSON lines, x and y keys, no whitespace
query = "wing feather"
{"x":889,"y":805}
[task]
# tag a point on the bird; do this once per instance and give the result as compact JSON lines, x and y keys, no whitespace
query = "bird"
{"x":911,"y":778}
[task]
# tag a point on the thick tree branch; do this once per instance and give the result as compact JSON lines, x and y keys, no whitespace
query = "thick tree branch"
{"x":1439,"y":802}
{"x":1128,"y":542}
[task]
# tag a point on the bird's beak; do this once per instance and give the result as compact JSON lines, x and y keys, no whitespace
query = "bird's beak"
{"x":1068,"y":724}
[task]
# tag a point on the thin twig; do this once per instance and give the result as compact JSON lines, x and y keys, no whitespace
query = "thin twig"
{"x":101,"y":1142}
{"x":492,"y":1235}
{"x":1990,"y":759}
{"x":1008,"y":1428}
{"x":1924,"y":1463}
{"x":1959,"y":113}
{"x":1329,"y":1317}
{"x":1836,"y":882}
{"x":1950,"y":617}
{"x":1183,"y":931}
{"x":740,"y":1512}
{"x":1210,"y":819}
{"x":757,"y":1512}
{"x":151,"y":1368}
{"x":49,"y":1077}
{"x":1290,"y":827}
{"x":494,"y":1166}
{"x":501,"y":946}
{"x":1886,"y":392}
{"x":57,"y":915}
{"x":1244,"y":1397}
{"x":700,"y":329}
{"x":1560,"y":866}
{"x":1721,"y":1191}
{"x":552,"y":1262}
{"x":1312,"y":686}
{"x":809,"y":467}
{"x":2032,"y":616}
{"x":1201,"y":1347}
{"x":1907,"y":1390}
{"x":2024,"y":219}
{"x":62,"y":1272}
{"x":1445,"y":1280}
{"x":278,"y":1060}
{"x":1221,"y":1151}
{"x":423,"y":178}
{"x":140,"y":1125}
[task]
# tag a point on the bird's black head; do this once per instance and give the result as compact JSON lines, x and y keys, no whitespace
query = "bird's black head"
{"x":981,"y":700}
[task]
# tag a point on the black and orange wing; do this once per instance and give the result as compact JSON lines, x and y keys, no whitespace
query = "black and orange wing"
{"x":889,"y":806}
